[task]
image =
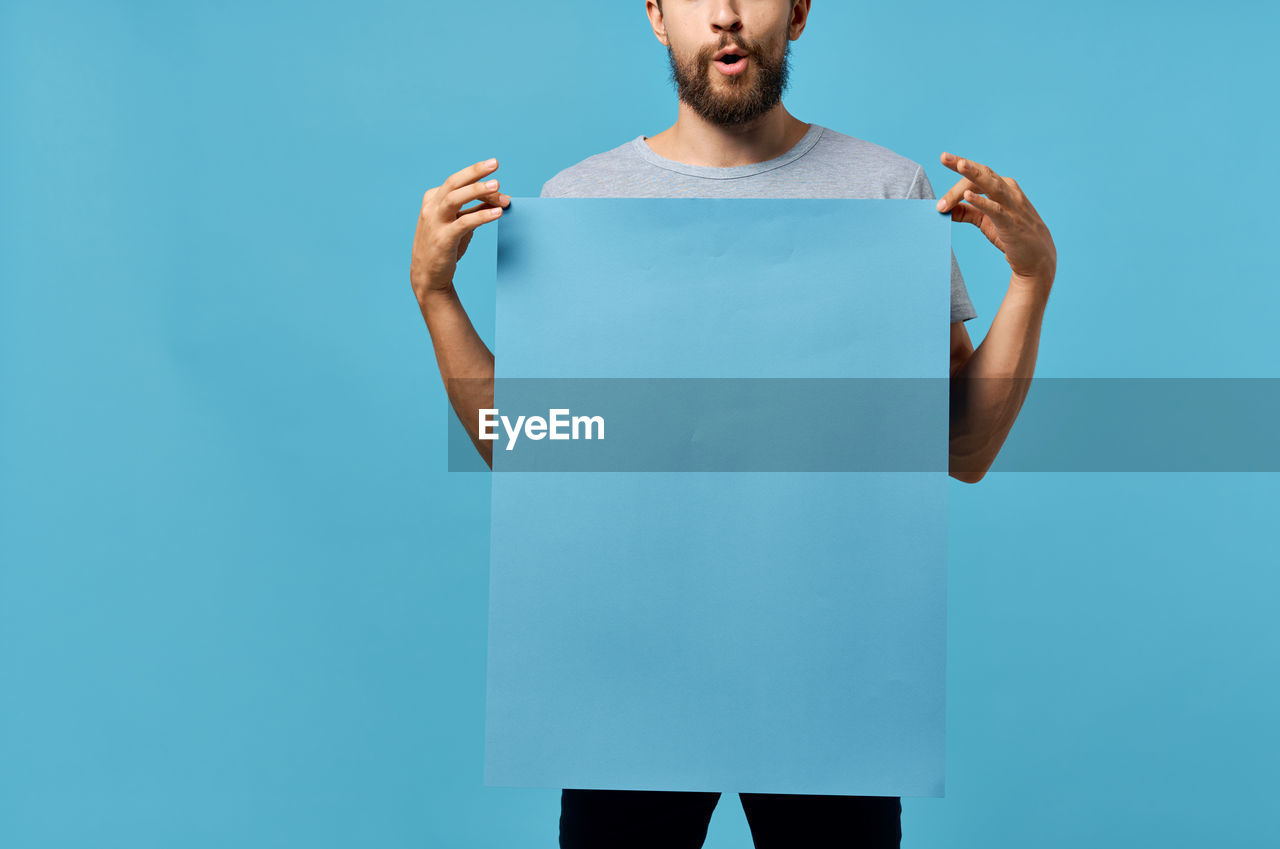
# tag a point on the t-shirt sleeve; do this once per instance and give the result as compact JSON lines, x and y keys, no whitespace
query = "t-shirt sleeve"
{"x":961,"y":307}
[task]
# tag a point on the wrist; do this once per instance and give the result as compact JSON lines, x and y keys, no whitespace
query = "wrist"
{"x":1039,"y":282}
{"x":434,"y":295}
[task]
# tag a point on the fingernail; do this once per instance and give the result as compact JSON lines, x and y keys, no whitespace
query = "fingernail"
{"x":491,"y":185}
{"x":942,"y":204}
{"x":491,"y":163}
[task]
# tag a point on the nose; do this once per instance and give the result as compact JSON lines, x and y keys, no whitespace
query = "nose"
{"x":725,"y":17}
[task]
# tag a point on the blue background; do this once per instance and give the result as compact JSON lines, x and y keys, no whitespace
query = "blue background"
{"x":242,"y":602}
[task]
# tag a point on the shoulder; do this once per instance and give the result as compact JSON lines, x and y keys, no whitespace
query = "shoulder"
{"x":585,"y":177}
{"x":874,"y":165}
{"x":865,"y":152}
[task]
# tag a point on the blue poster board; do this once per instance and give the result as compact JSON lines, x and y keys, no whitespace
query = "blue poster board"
{"x":770,"y":632}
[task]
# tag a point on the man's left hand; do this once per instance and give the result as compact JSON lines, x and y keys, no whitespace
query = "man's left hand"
{"x":997,"y":206}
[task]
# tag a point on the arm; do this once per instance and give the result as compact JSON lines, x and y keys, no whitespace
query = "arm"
{"x":983,"y":410}
{"x":466,"y":363}
{"x":443,"y":234}
{"x":988,"y":385}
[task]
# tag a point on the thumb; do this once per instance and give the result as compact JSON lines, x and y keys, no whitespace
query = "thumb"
{"x":966,"y":214}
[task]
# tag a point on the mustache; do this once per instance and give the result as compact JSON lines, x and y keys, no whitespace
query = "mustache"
{"x":705,"y":54}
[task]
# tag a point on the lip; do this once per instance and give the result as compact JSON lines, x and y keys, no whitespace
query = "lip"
{"x":737,"y":67}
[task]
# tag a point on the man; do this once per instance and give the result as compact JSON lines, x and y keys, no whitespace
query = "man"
{"x":734,"y":138}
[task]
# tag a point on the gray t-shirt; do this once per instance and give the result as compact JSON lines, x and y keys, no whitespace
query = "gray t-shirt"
{"x":823,"y":164}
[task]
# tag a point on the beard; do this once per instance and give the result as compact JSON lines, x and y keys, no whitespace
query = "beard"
{"x":733,"y":100}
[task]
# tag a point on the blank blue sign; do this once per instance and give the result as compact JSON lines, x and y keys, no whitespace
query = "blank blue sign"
{"x":769,"y":632}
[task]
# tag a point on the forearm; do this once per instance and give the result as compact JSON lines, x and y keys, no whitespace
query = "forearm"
{"x":987,"y":391}
{"x":466,"y":363}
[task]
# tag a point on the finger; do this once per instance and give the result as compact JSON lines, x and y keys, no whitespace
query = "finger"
{"x":466,"y":223}
{"x":469,"y":174}
{"x":967,"y":214}
{"x":988,"y":181}
{"x":488,"y":203}
{"x":989,"y":207}
{"x":953,"y":194}
{"x":455,"y":199}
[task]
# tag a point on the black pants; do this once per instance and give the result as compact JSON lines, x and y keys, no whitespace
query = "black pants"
{"x":655,"y":819}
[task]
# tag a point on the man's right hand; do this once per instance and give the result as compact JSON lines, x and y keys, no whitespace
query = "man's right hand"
{"x":445,"y":228}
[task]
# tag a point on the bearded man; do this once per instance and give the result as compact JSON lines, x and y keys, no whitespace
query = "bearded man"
{"x":733,"y":138}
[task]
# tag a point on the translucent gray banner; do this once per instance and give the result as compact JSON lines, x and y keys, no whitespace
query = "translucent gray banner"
{"x":872,"y":424}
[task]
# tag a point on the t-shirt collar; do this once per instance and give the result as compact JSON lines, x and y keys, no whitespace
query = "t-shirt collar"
{"x":713,"y":172}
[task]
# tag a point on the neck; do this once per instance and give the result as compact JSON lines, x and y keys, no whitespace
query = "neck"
{"x":694,"y":140}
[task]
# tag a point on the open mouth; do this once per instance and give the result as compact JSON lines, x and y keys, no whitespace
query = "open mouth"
{"x":731,"y":63}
